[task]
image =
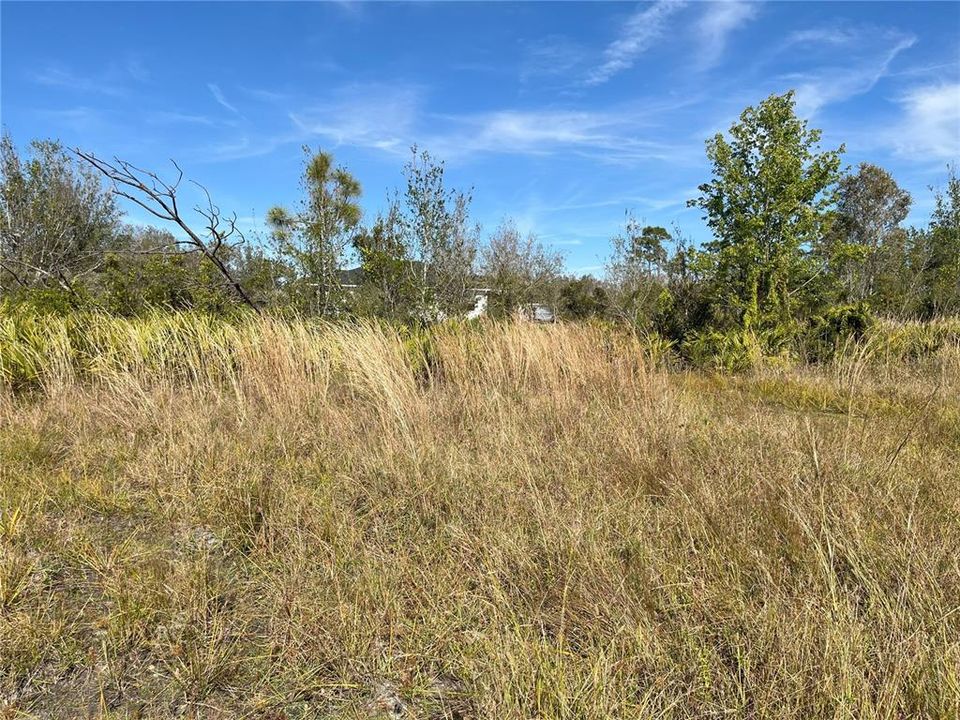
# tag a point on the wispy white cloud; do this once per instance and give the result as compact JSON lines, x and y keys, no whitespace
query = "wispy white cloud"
{"x":643,"y":202}
{"x":247,"y":146}
{"x":137,"y":70}
{"x":537,"y":131}
{"x":268,"y":96}
{"x":639,"y":33}
{"x":930,"y":69}
{"x":77,"y":119}
{"x":715,"y":26}
{"x":327,"y":65}
{"x":165,"y":117}
{"x":370,"y":116}
{"x":931,"y":123}
{"x":611,"y":135}
{"x":827,"y":35}
{"x":391,"y":118}
{"x":60,"y":77}
{"x":554,"y":55}
{"x":868,"y":54}
{"x":373,"y":116}
{"x":221,"y":99}
{"x":116,"y":79}
{"x":349,"y":7}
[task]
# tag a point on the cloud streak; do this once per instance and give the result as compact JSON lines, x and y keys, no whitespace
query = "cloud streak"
{"x":641,"y":31}
{"x":931,"y":122}
{"x":552,"y":56}
{"x":869,"y":53}
{"x":715,"y":26}
{"x":372,"y":116}
{"x":391,"y":118}
{"x":220,"y":98}
{"x":116,"y":79}
{"x":60,"y":77}
{"x":611,"y":135}
{"x":167,"y":117}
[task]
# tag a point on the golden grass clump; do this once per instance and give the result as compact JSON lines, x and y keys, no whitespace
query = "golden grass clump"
{"x":283,"y":519}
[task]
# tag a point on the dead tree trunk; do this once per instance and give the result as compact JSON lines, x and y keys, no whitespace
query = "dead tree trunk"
{"x":159,"y":198}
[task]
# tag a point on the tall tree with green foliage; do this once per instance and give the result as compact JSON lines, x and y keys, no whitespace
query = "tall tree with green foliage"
{"x":582,"y":298}
{"x":682,"y":307}
{"x":387,"y":287}
{"x":314,"y":239}
{"x":942,"y":266}
{"x":145,"y":270}
{"x":635,"y":269}
{"x":55,"y":218}
{"x":520,"y":270}
{"x":441,"y":240}
{"x":771,"y":199}
{"x":864,"y":249}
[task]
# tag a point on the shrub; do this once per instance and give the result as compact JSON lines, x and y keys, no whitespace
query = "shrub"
{"x":658,"y":350}
{"x":837,"y":327}
{"x":902,"y":342}
{"x":730,"y":351}
{"x":48,"y":301}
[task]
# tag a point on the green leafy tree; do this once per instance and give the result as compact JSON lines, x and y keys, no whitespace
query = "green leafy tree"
{"x":441,"y":240}
{"x":583,"y":298}
{"x":387,"y":287}
{"x":771,"y":199}
{"x":313,"y":240}
{"x":55,"y":219}
{"x":865,"y":248}
{"x":635,"y":269}
{"x":683,"y":305}
{"x":145,"y":269}
{"x":262,"y":273}
{"x":520,"y":270}
{"x":942,"y":254}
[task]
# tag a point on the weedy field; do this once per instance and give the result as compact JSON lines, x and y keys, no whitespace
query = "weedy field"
{"x":271,"y":519}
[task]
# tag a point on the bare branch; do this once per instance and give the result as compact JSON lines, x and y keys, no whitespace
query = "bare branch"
{"x":160,"y":199}
{"x":11,"y":273}
{"x":179,"y":173}
{"x":142,"y":204}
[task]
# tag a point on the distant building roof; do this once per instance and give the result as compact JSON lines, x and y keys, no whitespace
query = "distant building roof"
{"x":542,"y":313}
{"x":536,"y":312}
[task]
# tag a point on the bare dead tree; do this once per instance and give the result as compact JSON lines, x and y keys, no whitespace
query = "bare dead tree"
{"x":159,"y":198}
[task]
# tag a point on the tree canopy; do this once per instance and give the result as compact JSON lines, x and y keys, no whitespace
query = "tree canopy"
{"x":798,"y":246}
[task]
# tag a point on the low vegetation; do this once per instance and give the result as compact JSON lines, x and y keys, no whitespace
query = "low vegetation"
{"x":280,"y":479}
{"x":265,"y":518}
{"x":800,"y":248}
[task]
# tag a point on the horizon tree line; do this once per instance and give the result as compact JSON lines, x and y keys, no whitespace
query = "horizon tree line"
{"x":796,"y":241}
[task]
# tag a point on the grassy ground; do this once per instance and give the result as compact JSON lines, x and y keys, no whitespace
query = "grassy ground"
{"x":272,"y":520}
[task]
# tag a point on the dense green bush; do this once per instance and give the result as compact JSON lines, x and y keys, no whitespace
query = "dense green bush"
{"x":731,"y":351}
{"x":834,"y":329}
{"x":801,"y":255}
{"x":48,"y":301}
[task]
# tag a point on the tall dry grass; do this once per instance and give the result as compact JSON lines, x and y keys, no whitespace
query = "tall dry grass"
{"x":284,"y":520}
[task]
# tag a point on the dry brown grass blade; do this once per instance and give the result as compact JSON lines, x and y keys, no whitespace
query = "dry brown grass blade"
{"x":272,"y":519}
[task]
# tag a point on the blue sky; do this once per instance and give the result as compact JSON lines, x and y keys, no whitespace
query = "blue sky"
{"x":559,"y":115}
